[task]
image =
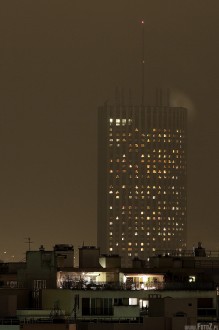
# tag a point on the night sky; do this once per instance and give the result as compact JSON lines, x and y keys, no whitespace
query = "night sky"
{"x":60,"y":60}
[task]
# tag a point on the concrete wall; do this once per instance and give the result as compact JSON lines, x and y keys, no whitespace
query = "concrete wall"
{"x":65,"y":299}
{"x":9,"y":327}
{"x":169,"y":307}
{"x":8,"y":305}
{"x":185,"y":305}
{"x":123,"y":311}
{"x":110,"y":261}
{"x":34,"y":313}
{"x":64,"y":259}
{"x":22,"y":296}
{"x":42,"y":326}
{"x":89,"y":257}
{"x":178,"y":323}
{"x":40,"y":265}
{"x":154,"y":325}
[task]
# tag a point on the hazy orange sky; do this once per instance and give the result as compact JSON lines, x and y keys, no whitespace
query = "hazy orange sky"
{"x":60,"y":60}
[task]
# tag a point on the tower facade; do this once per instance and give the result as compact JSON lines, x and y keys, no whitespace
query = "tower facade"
{"x":141,"y":180}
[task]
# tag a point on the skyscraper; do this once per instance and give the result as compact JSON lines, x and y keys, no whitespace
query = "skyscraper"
{"x":141,"y":180}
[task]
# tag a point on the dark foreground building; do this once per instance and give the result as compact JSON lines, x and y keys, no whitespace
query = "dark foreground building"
{"x":172,"y":292}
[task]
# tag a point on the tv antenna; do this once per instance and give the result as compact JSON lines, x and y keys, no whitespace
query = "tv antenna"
{"x":28,"y":242}
{"x":142,"y":65}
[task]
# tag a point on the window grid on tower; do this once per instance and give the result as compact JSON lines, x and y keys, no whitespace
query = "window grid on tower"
{"x":148,"y":190}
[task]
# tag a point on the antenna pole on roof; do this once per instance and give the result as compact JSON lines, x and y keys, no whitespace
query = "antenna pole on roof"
{"x":28,"y":242}
{"x":142,"y":62}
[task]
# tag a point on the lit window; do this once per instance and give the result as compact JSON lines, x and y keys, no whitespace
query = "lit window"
{"x":133,"y":301}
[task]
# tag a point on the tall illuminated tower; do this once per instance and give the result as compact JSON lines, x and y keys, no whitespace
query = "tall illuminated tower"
{"x":141,"y":180}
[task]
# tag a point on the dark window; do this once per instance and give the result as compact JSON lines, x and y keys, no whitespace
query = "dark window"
{"x":205,"y":302}
{"x":85,"y":306}
{"x":97,"y":306}
{"x":207,"y":312}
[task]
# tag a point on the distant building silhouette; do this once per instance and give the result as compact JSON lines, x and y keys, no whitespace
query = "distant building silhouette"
{"x":141,"y":180}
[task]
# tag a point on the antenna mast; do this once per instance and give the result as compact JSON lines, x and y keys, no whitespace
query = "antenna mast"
{"x":28,"y":242}
{"x":142,"y":95}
